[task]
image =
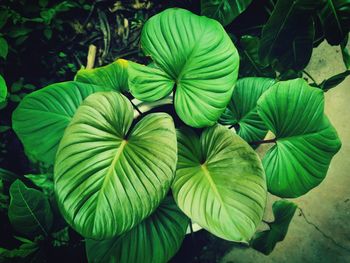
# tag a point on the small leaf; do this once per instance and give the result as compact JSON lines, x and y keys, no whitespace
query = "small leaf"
{"x":29,"y":211}
{"x":266,"y":241}
{"x":43,"y":181}
{"x":108,"y":176}
{"x":4,"y":15}
{"x":113,"y":76}
{"x":4,"y":128}
{"x":154,"y":240}
{"x":48,"y":33}
{"x":22,"y":251}
{"x":334,"y":81}
{"x":41,"y":118}
{"x":242,"y":112}
{"x":220,"y":183}
{"x":225,"y":11}
{"x":15,"y":98}
{"x":3,"y":48}
{"x":3,"y":90}
{"x":306,"y":141}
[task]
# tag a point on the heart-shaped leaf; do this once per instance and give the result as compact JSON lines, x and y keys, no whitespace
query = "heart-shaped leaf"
{"x":220,"y":183}
{"x":306,"y":141}
{"x":29,"y":211}
{"x":224,"y":10}
{"x":154,"y":240}
{"x":266,"y":241}
{"x":113,"y":76}
{"x":108,"y":178}
{"x":196,"y":54}
{"x":242,"y":112}
{"x":42,"y":116}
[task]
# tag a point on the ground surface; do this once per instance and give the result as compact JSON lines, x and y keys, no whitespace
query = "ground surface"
{"x":327,"y":206}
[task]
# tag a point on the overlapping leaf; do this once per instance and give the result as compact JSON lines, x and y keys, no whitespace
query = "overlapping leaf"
{"x":220,"y":183}
{"x":306,"y":141}
{"x":154,"y":240}
{"x":42,"y":116}
{"x":197,"y":55}
{"x":242,"y":110}
{"x":108,"y":178}
{"x":266,"y":241}
{"x":225,"y":11}
{"x":113,"y":76}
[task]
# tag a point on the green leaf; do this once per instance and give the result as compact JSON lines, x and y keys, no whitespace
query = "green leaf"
{"x":22,"y":251}
{"x":7,"y":175}
{"x":113,"y":76}
{"x":287,"y":37}
{"x":43,"y":181}
{"x":242,"y":112}
{"x":220,"y":183}
{"x":334,"y":81}
{"x":156,"y":239}
{"x":266,"y":241}
{"x":335,"y":19}
{"x":345,"y":53}
{"x":196,"y":54}
{"x":251,"y":64}
{"x":109,"y":177}
{"x":42,"y":116}
{"x":225,"y":11}
{"x":3,"y":90}
{"x":306,"y":141}
{"x":48,"y":33}
{"x":4,"y":15}
{"x":3,"y":48}
{"x":29,"y":211}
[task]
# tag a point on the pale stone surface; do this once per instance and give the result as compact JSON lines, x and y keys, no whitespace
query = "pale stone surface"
{"x":327,"y":206}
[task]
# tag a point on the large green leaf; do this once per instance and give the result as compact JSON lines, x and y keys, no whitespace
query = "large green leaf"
{"x":113,"y":76}
{"x":335,"y":18}
{"x":287,"y":37}
{"x":220,"y":183}
{"x":266,"y":241}
{"x":223,"y":10}
{"x":29,"y":211}
{"x":3,"y":90}
{"x":251,"y":64}
{"x":154,"y":240}
{"x":306,"y":141}
{"x":242,"y":112}
{"x":42,"y":116}
{"x":196,"y":56}
{"x":108,"y":177}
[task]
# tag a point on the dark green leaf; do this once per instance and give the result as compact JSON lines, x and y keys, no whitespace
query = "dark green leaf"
{"x":225,"y":11}
{"x":306,"y":141}
{"x":3,"y":48}
{"x":41,"y":118}
{"x":43,"y":181}
{"x":334,"y":81}
{"x":3,"y":90}
{"x":242,"y":110}
{"x":220,"y":183}
{"x":335,"y":17}
{"x":4,"y":15}
{"x":251,"y":64}
{"x":345,"y":53}
{"x":108,"y":176}
{"x":266,"y":241}
{"x":4,"y":128}
{"x":29,"y":211}
{"x":22,"y":251}
{"x":154,"y":240}
{"x":7,"y":176}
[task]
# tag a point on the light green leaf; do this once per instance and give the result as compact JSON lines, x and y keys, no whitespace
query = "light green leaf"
{"x":266,"y":241}
{"x":196,"y":54}
{"x":225,"y":11}
{"x":113,"y":76}
{"x":29,"y":211}
{"x":242,"y":112}
{"x":3,"y":90}
{"x":220,"y":183}
{"x":42,"y":116}
{"x":3,"y":48}
{"x":109,"y":177}
{"x":306,"y":141}
{"x":154,"y":240}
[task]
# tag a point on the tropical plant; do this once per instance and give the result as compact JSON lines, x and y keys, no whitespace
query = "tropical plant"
{"x":131,"y":181}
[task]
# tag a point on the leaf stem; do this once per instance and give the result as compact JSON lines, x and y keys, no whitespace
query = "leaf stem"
{"x":136,"y":108}
{"x":263,"y":141}
{"x":308,"y":74}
